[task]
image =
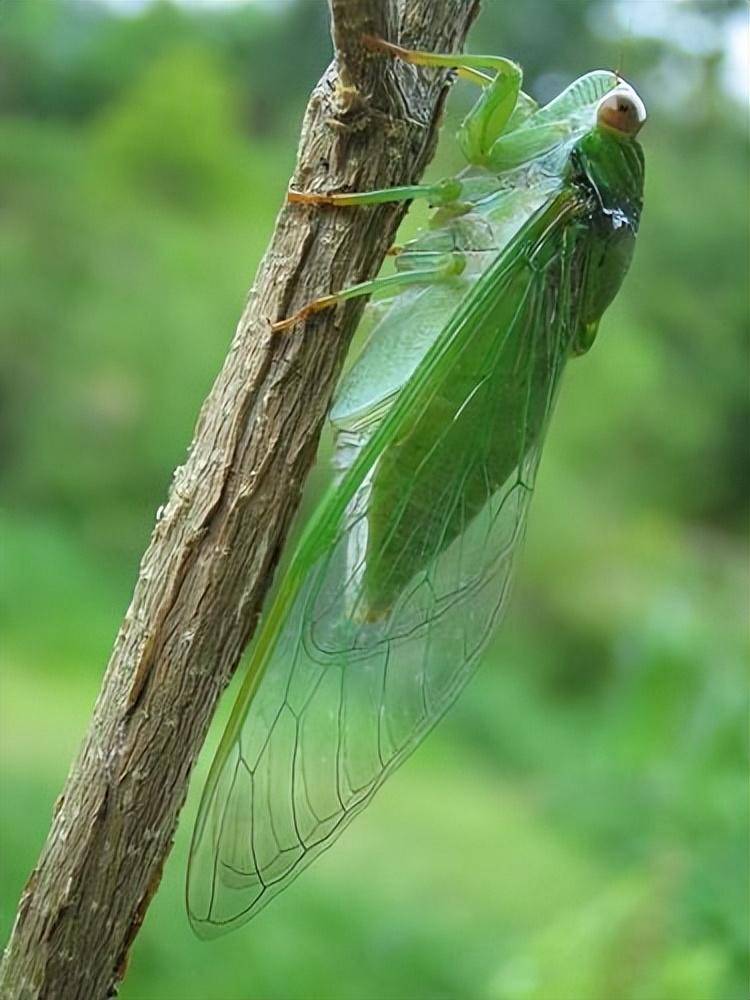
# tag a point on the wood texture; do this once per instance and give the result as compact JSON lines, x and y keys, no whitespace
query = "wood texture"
{"x":371,"y":122}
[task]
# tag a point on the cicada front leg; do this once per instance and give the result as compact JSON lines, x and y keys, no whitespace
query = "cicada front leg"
{"x":491,"y":115}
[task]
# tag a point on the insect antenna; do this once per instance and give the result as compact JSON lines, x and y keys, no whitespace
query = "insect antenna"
{"x":628,"y":37}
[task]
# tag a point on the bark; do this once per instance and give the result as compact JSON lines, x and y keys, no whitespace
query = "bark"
{"x":371,"y":122}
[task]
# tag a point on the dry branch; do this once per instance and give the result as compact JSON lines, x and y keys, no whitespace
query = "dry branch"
{"x":370,"y":123}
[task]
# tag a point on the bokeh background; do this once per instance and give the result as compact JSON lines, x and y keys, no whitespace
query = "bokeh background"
{"x":577,"y":828}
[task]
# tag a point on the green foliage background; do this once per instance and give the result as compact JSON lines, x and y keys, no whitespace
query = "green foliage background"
{"x":576,"y":830}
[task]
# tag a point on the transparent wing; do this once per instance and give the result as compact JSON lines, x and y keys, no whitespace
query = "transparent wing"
{"x":346,"y":693}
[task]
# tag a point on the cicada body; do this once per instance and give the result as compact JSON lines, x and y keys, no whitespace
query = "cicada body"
{"x":404,"y":569}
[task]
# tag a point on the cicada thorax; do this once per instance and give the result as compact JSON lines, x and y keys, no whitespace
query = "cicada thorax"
{"x":609,"y":174}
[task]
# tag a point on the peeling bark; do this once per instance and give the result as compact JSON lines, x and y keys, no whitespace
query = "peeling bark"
{"x":371,"y":122}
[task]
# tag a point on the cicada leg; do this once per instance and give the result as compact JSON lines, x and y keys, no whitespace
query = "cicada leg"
{"x":468,"y":67}
{"x":490,"y":116}
{"x":442,"y":193}
{"x":445,"y":266}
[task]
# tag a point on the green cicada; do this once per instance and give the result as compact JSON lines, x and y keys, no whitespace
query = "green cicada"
{"x":405,"y":567}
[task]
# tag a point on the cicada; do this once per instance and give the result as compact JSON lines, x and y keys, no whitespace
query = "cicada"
{"x":404,"y":569}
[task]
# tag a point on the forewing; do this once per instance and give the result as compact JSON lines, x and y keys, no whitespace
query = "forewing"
{"x":343,"y":696}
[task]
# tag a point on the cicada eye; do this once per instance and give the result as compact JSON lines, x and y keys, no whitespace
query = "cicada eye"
{"x":622,"y":111}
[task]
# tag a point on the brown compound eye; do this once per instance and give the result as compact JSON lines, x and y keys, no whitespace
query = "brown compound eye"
{"x":622,"y":111}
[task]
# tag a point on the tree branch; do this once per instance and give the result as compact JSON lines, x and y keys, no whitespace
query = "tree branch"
{"x":370,"y":122}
